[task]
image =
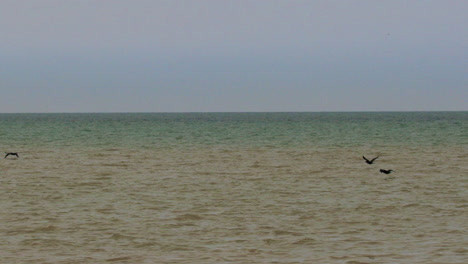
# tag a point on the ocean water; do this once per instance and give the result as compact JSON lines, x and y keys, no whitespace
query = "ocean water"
{"x":234,"y":188}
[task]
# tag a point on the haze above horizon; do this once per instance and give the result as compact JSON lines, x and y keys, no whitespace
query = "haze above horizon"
{"x":233,"y":56}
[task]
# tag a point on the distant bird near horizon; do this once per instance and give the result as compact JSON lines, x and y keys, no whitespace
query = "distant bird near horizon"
{"x":11,"y":154}
{"x":370,"y":161}
{"x":386,"y":171}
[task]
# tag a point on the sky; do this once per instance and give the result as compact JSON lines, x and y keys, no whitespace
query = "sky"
{"x":233,"y":55}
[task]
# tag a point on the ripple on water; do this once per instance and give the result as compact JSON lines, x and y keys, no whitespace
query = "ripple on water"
{"x":210,"y":205}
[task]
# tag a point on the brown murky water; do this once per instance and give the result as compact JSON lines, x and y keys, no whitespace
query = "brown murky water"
{"x":234,"y":205}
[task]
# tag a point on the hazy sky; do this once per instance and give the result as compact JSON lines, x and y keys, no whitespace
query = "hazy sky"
{"x":233,"y":55}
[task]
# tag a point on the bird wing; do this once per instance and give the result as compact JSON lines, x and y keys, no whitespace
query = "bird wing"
{"x":365,"y":158}
{"x":374,"y":158}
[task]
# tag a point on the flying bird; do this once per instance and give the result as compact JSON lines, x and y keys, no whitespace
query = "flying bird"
{"x":386,"y":171}
{"x":12,"y":154}
{"x":369,"y":161}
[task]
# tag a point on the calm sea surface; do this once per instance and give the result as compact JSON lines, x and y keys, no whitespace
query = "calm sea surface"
{"x":234,"y":188}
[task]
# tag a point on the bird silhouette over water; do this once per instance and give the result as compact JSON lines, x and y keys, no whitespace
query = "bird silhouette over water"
{"x":370,"y":161}
{"x":386,"y":171}
{"x":12,"y":154}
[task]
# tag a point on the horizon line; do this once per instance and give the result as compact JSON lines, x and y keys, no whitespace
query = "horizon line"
{"x":237,"y":112}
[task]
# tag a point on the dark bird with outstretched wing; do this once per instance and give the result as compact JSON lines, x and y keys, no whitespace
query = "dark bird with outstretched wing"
{"x":370,"y":161}
{"x":12,"y":154}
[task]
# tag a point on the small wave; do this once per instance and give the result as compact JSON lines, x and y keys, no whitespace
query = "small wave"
{"x":104,"y":174}
{"x":270,"y":241}
{"x":111,"y":149}
{"x":123,"y":164}
{"x":461,"y":251}
{"x":119,"y":237}
{"x":411,"y":205}
{"x":46,"y":242}
{"x":191,"y":217}
{"x":285,"y":232}
{"x":89,"y":183}
{"x":120,"y":258}
{"x":45,"y":229}
{"x":366,"y":243}
{"x":306,"y":241}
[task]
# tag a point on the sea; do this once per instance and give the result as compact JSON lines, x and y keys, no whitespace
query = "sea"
{"x":234,"y":188}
